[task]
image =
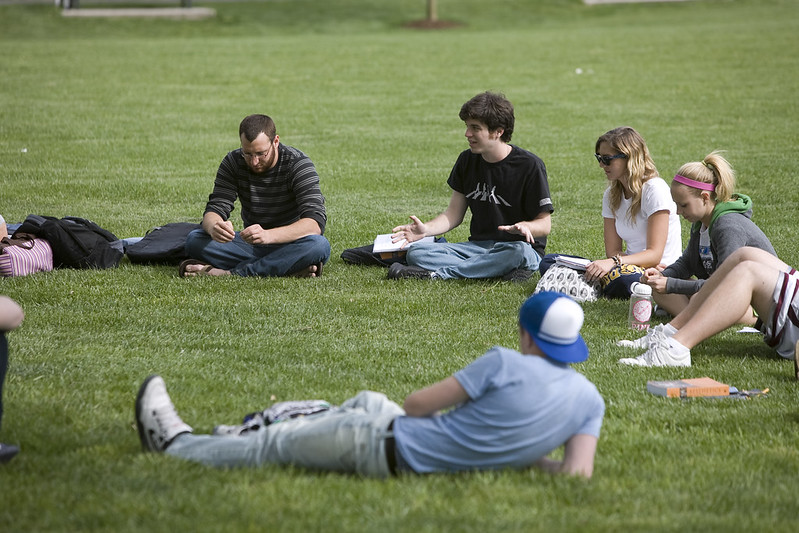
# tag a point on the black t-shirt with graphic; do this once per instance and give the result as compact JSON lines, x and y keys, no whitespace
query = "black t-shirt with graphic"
{"x":509,"y":191}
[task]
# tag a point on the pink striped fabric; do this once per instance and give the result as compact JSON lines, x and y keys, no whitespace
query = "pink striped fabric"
{"x":21,"y":261}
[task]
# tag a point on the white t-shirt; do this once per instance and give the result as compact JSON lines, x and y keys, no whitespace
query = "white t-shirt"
{"x":655,"y":196}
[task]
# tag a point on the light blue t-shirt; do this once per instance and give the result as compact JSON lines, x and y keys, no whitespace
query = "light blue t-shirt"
{"x":521,"y":408}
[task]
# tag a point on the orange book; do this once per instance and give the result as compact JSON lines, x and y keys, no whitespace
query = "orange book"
{"x":688,"y":388}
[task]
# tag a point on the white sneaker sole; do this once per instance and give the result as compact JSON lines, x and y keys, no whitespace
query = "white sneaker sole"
{"x":639,"y":361}
{"x":146,"y":442}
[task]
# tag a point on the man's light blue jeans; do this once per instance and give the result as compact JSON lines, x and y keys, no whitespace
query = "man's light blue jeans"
{"x":350,"y":439}
{"x":473,"y":259}
{"x":245,"y":259}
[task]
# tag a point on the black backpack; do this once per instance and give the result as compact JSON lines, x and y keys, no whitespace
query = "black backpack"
{"x":162,"y":245}
{"x":76,"y":242}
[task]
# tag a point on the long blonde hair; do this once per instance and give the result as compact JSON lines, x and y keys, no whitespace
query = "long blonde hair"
{"x":713,"y":169}
{"x":640,"y":166}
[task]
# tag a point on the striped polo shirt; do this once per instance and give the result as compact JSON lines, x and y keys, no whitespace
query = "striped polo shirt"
{"x":278,"y":197}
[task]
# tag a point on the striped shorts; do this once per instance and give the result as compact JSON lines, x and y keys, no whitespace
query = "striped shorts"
{"x":781,"y":328}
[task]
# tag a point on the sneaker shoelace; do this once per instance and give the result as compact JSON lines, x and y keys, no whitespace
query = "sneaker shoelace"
{"x":167,"y":418}
{"x":658,"y":352}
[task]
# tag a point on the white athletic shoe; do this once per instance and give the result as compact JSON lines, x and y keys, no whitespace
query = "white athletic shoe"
{"x":660,"y":353}
{"x":641,"y":343}
{"x":156,"y":417}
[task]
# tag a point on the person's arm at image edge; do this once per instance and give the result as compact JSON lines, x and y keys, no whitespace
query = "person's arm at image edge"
{"x":11,"y":314}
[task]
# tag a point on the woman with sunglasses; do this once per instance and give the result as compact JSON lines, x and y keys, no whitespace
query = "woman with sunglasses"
{"x":642,"y":228}
{"x":721,"y":223}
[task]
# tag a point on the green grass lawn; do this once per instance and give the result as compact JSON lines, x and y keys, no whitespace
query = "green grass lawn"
{"x":125,"y":121}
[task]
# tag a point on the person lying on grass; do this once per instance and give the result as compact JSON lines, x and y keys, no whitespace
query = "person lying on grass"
{"x":750,"y":276}
{"x":507,"y":409}
{"x":282,"y":209}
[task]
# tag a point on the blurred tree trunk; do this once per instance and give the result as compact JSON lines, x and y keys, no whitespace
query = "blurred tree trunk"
{"x":432,"y":10}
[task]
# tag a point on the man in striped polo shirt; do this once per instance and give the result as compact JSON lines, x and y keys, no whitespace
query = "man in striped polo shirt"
{"x":282,"y":210}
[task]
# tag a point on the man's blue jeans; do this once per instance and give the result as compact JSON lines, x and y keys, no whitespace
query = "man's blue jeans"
{"x":350,"y":439}
{"x":245,"y":259}
{"x":473,"y":259}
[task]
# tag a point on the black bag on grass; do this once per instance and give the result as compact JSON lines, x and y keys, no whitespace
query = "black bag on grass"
{"x":76,"y":242}
{"x":162,"y":245}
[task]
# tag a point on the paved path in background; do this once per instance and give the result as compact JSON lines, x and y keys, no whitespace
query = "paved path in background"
{"x":594,"y":2}
{"x":186,"y":13}
{"x":53,"y":2}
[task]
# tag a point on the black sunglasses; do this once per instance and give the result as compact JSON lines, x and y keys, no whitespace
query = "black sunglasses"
{"x":608,"y":159}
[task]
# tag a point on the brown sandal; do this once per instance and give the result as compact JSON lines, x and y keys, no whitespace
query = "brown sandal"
{"x":186,"y":262}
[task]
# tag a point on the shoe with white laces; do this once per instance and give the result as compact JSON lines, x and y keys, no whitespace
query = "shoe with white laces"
{"x":156,"y":417}
{"x":661,"y":352}
{"x":641,"y":343}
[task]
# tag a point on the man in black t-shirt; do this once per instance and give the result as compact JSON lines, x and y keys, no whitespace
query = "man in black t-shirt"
{"x":507,"y":191}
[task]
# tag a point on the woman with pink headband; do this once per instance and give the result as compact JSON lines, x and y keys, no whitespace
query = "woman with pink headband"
{"x":721,"y":223}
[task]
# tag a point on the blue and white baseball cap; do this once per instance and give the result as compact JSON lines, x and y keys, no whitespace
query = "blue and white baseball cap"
{"x":554,"y":320}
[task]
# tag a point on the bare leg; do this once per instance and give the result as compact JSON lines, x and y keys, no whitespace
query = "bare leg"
{"x":749,"y":318}
{"x":720,"y":275}
{"x":727,"y":301}
{"x":673,"y":303}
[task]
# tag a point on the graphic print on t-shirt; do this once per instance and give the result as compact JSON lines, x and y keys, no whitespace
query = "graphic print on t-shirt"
{"x":481,"y":194}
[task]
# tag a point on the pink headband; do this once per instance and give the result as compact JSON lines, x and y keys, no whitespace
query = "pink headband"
{"x":693,"y":183}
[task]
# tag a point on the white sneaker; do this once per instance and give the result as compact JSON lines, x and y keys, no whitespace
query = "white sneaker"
{"x":660,"y":353}
{"x":156,"y":417}
{"x":641,"y":343}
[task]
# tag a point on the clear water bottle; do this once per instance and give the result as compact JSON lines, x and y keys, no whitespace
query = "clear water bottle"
{"x":640,"y":306}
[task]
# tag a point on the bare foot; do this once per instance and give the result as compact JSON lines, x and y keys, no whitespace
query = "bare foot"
{"x":196,"y":270}
{"x":313,"y":271}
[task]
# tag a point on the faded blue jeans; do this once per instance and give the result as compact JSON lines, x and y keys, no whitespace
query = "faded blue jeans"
{"x":350,"y":439}
{"x":473,"y":259}
{"x":245,"y":259}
